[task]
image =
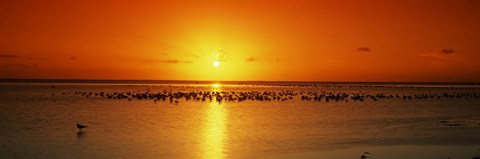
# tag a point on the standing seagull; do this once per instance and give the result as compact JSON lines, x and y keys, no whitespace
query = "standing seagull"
{"x":365,"y":155}
{"x":80,"y":127}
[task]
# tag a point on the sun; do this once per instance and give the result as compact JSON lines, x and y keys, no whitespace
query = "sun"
{"x":216,"y":63}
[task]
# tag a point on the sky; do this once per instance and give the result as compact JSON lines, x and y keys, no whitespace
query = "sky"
{"x":301,"y":40}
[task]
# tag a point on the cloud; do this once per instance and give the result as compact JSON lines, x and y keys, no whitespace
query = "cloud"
{"x":363,"y":49}
{"x":20,"y":65}
{"x":251,"y":59}
{"x":219,"y":55}
{"x":444,"y":55}
{"x":168,"y":61}
{"x":15,"y":56}
{"x":447,"y":51}
{"x":173,"y":61}
{"x":9,"y":56}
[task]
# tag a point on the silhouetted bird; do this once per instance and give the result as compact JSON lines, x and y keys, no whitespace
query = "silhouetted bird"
{"x":365,"y":155}
{"x":79,"y":126}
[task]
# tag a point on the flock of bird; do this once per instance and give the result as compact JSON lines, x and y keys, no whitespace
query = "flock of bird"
{"x":278,"y":95}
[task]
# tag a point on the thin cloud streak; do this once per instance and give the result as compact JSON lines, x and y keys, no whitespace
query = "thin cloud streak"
{"x":363,"y":49}
{"x":9,"y":56}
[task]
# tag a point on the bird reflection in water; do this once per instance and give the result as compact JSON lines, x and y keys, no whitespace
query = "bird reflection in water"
{"x":80,"y":135}
{"x":214,"y":130}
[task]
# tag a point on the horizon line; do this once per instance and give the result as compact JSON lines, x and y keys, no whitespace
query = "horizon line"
{"x":66,"y":80}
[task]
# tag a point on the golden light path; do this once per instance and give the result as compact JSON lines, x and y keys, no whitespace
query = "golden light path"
{"x":214,"y":130}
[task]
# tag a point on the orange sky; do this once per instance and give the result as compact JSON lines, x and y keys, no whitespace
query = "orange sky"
{"x":336,"y":40}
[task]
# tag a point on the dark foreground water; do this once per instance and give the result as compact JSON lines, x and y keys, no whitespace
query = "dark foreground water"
{"x":164,"y":120}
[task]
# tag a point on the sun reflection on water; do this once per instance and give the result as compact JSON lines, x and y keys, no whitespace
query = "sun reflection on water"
{"x":216,"y":87}
{"x":214,"y":132}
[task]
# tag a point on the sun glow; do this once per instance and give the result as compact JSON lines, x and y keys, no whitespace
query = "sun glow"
{"x":216,"y":63}
{"x":216,"y":85}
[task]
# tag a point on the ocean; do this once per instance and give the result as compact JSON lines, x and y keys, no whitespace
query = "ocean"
{"x":238,"y":120}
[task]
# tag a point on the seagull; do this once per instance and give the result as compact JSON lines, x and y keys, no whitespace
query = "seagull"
{"x":365,"y":155}
{"x":79,"y":126}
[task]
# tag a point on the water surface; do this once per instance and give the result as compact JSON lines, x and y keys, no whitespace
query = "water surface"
{"x":38,"y":121}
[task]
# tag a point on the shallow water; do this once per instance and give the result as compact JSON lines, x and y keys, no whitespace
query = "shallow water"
{"x":38,"y":121}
